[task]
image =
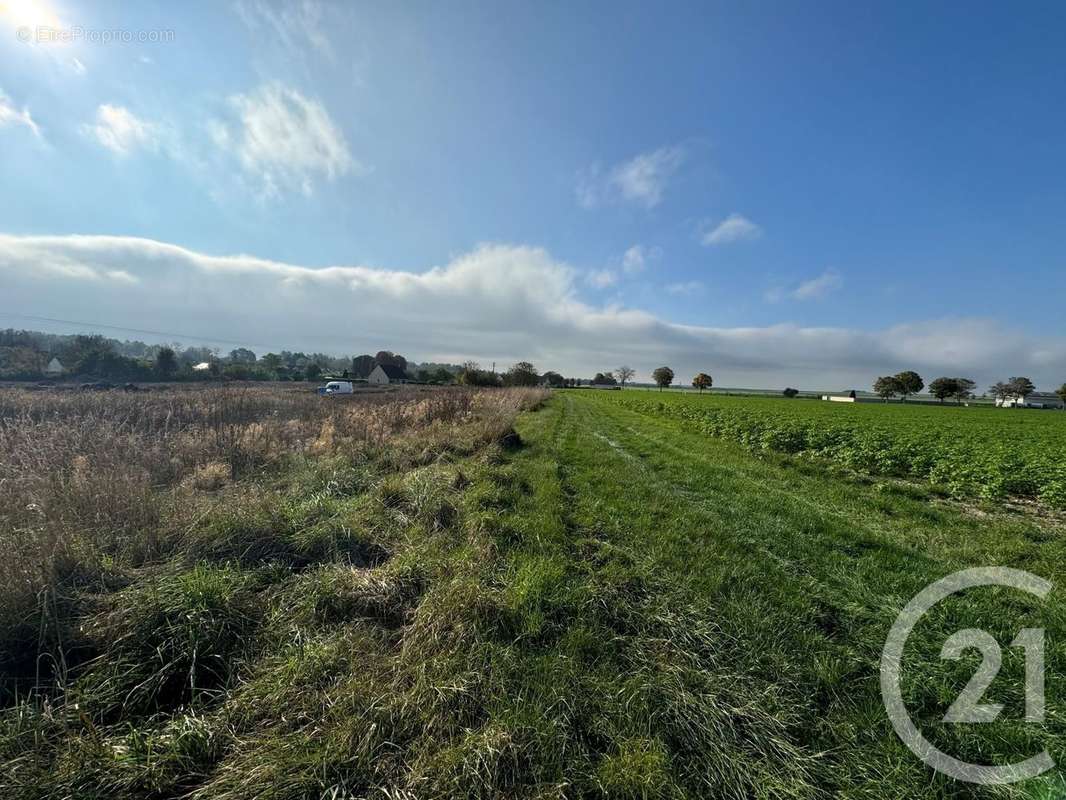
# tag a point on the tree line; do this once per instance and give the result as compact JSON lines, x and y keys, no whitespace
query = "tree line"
{"x":905,"y":384}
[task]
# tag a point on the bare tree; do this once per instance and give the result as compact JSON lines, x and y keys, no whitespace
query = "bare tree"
{"x":624,"y":374}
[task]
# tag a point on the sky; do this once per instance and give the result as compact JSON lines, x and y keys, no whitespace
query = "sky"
{"x":774,"y":193}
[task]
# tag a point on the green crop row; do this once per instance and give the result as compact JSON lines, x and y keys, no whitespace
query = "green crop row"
{"x":970,"y":452}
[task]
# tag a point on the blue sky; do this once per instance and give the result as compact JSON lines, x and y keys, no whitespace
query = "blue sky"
{"x":770,"y":192}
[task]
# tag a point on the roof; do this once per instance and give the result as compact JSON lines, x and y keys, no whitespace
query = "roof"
{"x":1052,"y":396}
{"x":393,"y":372}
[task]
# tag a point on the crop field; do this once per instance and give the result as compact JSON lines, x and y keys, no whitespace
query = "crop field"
{"x":455,"y":593}
{"x":967,"y":451}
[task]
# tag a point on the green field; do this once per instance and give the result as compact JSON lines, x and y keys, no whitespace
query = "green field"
{"x":612,"y":603}
{"x":976,"y":451}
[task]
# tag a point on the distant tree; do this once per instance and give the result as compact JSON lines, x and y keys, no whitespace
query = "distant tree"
{"x":624,"y":374}
{"x":87,"y":354}
{"x":1021,"y":387}
{"x":362,"y":366}
{"x":909,"y":382}
{"x":963,"y":389}
{"x":1061,"y":392}
{"x":1001,"y":390}
{"x":703,"y":381}
{"x":472,"y":375}
{"x":388,"y":357}
{"x":166,"y":362}
{"x":663,"y":377}
{"x":886,"y":386}
{"x":943,"y":388}
{"x":241,"y":355}
{"x":522,"y":374}
{"x":272,"y":363}
{"x":790,"y":392}
{"x":312,"y":371}
{"x":442,"y":376}
{"x":552,"y":378}
{"x":604,"y":379}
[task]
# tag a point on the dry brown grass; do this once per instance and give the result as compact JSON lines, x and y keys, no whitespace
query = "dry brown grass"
{"x":94,"y":485}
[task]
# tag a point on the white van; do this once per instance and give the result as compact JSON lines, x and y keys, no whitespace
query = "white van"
{"x":337,"y":387}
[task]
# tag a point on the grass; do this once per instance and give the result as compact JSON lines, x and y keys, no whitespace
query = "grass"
{"x":582,"y":601}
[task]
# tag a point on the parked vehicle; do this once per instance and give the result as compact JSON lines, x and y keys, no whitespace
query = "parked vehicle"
{"x":336,"y":387}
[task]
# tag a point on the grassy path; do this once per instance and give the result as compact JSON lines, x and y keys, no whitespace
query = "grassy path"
{"x":794,"y":576}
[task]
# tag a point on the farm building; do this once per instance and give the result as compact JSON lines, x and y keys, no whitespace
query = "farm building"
{"x":1035,"y":400}
{"x":55,"y":367}
{"x":386,"y":373}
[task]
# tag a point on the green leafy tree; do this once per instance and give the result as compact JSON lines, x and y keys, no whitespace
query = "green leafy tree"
{"x":241,"y":355}
{"x":909,"y":382}
{"x":312,"y":371}
{"x":272,"y":362}
{"x":522,"y":374}
{"x":963,"y":389}
{"x":703,"y":381}
{"x":886,"y":386}
{"x":943,"y":388}
{"x":790,"y":392}
{"x":166,"y":362}
{"x":604,"y":379}
{"x":663,"y":377}
{"x":443,"y":376}
{"x":624,"y":373}
{"x":1061,"y":392}
{"x":553,"y":378}
{"x":1021,"y":387}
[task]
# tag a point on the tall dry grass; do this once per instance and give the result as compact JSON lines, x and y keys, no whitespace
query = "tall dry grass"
{"x":95,"y":485}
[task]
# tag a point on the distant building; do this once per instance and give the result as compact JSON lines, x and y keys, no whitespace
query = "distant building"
{"x":1035,"y":400}
{"x":386,"y":373}
{"x":55,"y":367}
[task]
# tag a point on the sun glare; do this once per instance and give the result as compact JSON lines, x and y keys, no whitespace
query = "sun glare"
{"x":32,"y":14}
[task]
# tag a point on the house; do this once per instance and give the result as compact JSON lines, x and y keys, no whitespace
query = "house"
{"x":55,"y":367}
{"x":1035,"y":400}
{"x":384,"y":374}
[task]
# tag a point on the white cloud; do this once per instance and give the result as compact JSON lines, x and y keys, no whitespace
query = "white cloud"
{"x":817,"y":288}
{"x":295,"y":24}
{"x":734,"y":228}
{"x":497,"y":303}
{"x":685,"y":287}
{"x":283,"y":140}
{"x":813,"y":289}
{"x":637,"y":257}
{"x":641,"y":180}
{"x":9,"y":115}
{"x":121,"y":131}
{"x":601,"y":279}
